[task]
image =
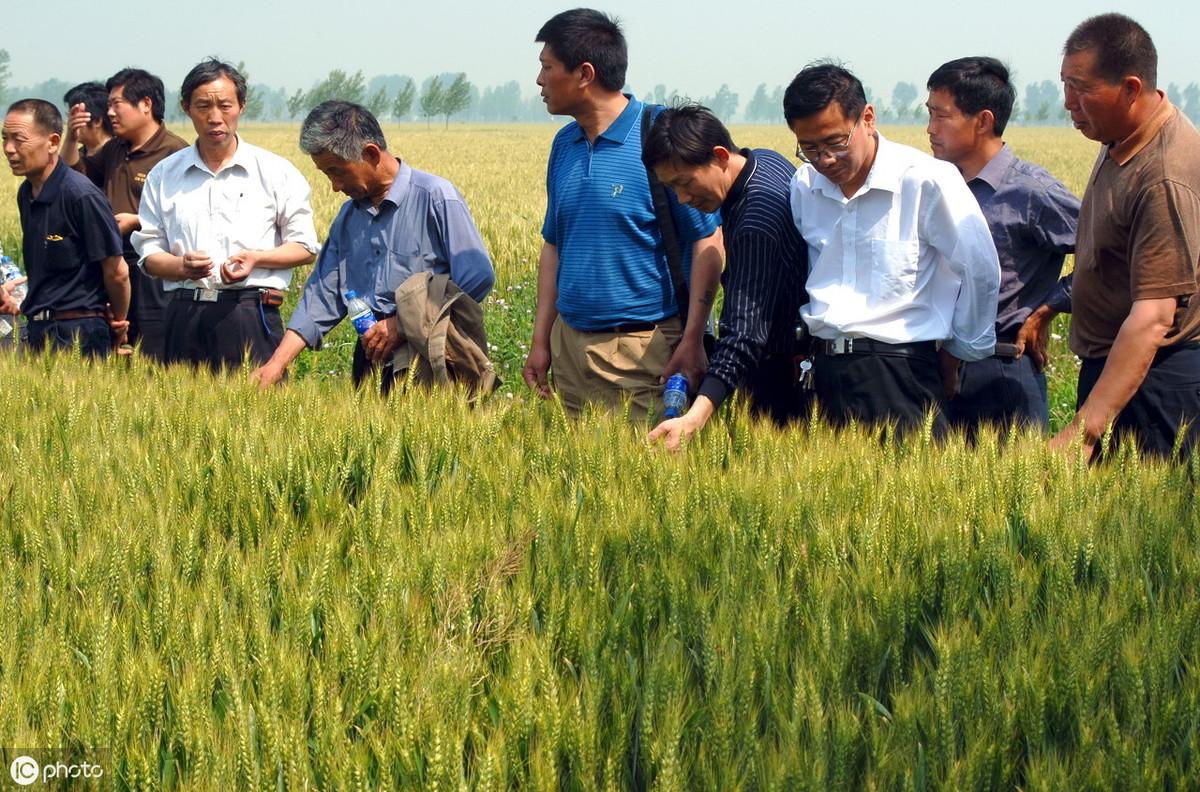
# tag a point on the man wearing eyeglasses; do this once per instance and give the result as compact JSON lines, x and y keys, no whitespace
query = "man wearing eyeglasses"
{"x":904,"y":274}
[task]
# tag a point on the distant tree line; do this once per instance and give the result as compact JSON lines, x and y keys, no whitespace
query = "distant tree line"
{"x":451,"y":96}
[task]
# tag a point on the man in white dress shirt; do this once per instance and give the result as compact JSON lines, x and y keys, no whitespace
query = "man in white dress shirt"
{"x":903,"y":274}
{"x":223,"y":223}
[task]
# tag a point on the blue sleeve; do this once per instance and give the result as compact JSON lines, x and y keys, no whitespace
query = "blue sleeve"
{"x":321,"y":304}
{"x":1056,"y":219}
{"x":470,"y":266}
{"x":549,"y":222}
{"x":1060,"y":297}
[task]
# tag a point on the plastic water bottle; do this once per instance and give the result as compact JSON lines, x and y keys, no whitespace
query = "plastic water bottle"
{"x":8,"y":272}
{"x":360,"y":313}
{"x":675,"y":396}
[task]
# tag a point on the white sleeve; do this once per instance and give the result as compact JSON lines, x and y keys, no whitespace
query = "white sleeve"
{"x":151,"y":238}
{"x":956,"y":227}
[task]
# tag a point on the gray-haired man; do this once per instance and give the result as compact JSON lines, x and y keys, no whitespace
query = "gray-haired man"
{"x":398,"y":221}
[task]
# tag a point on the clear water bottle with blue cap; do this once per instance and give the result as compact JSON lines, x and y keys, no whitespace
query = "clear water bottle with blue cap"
{"x":361,"y":315}
{"x":10,"y":272}
{"x":675,"y":396}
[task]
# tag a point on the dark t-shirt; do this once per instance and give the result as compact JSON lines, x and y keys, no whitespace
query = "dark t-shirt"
{"x":67,"y":230}
{"x":1139,"y":233}
{"x":120,"y":172}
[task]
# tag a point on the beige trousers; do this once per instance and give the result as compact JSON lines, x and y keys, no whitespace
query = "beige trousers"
{"x":608,"y":368}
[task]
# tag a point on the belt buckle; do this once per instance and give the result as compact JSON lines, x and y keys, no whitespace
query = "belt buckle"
{"x":841,"y":346}
{"x":42,"y":316}
{"x":205,"y":295}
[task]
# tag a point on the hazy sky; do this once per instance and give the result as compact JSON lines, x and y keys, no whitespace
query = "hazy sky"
{"x":690,"y":45}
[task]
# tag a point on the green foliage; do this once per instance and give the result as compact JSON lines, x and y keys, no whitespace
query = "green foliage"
{"x":379,"y":104}
{"x":402,"y":104}
{"x":433,"y":99}
{"x":211,"y":587}
{"x":456,"y":98}
{"x":254,"y":101}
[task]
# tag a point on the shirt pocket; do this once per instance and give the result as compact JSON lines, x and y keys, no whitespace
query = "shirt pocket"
{"x":60,"y":255}
{"x":893,"y":268}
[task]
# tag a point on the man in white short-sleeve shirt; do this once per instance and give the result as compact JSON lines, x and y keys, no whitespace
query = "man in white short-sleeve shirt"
{"x":903,"y":274}
{"x":223,"y":222}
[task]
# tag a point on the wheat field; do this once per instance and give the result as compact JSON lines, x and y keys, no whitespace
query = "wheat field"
{"x":207,"y":587}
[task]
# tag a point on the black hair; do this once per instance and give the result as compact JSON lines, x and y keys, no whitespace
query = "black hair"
{"x":92,"y":96}
{"x":139,"y":84}
{"x":45,"y":114}
{"x":1122,"y":46}
{"x":583,"y":35}
{"x":977,"y":83}
{"x":819,"y":85}
{"x":685,"y":135}
{"x":208,"y":70}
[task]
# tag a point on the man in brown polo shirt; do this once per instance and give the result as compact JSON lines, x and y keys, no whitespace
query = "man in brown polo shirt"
{"x":1135,"y":302}
{"x":135,"y":107}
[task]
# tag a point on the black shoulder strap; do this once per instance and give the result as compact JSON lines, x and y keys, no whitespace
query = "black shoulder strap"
{"x":666,"y":223}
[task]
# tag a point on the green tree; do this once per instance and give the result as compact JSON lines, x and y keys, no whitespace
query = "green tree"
{"x":723,"y":103}
{"x":402,"y":104}
{"x":903,"y":95}
{"x":339,"y":85}
{"x":4,"y":72}
{"x":432,"y":100}
{"x":379,"y":104}
{"x":254,"y":101}
{"x":296,"y":102}
{"x":456,"y":98}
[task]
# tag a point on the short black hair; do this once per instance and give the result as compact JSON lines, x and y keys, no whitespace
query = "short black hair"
{"x":977,"y":83}
{"x":1122,"y":46}
{"x":92,"y":96}
{"x":45,"y":114}
{"x":819,"y":85}
{"x":685,"y":135}
{"x":208,"y":70}
{"x":139,"y":84}
{"x":584,"y":35}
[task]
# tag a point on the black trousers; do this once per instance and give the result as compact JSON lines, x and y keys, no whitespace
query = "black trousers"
{"x":1168,"y":398}
{"x":773,"y":390}
{"x":147,"y":308}
{"x":1000,"y":390}
{"x":220,"y":334}
{"x":92,"y":335}
{"x":881,"y":388}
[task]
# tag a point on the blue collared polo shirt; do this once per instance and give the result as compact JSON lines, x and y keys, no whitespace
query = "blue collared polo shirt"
{"x":612,"y":267}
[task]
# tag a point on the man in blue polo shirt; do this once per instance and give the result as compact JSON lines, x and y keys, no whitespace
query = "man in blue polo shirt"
{"x":607,"y":317}
{"x":78,"y":282}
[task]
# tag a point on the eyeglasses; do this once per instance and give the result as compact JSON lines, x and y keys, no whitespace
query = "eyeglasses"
{"x":835,"y":151}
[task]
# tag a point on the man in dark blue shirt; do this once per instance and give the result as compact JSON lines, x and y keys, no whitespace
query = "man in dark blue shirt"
{"x":78,"y":280}
{"x":1032,"y":217}
{"x":766,"y":263}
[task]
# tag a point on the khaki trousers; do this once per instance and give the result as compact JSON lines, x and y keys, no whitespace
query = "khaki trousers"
{"x":608,"y":368}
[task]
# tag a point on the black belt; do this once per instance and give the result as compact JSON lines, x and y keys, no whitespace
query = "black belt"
{"x":265,"y":296}
{"x":869,"y":346}
{"x":1006,"y":350}
{"x":628,"y":327}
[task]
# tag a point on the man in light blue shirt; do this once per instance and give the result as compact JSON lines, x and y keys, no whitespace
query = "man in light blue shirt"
{"x":399,"y":221}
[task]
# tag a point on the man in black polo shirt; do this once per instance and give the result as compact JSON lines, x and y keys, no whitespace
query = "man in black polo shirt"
{"x":135,"y":108}
{"x":766,"y":263}
{"x":77,"y":278}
